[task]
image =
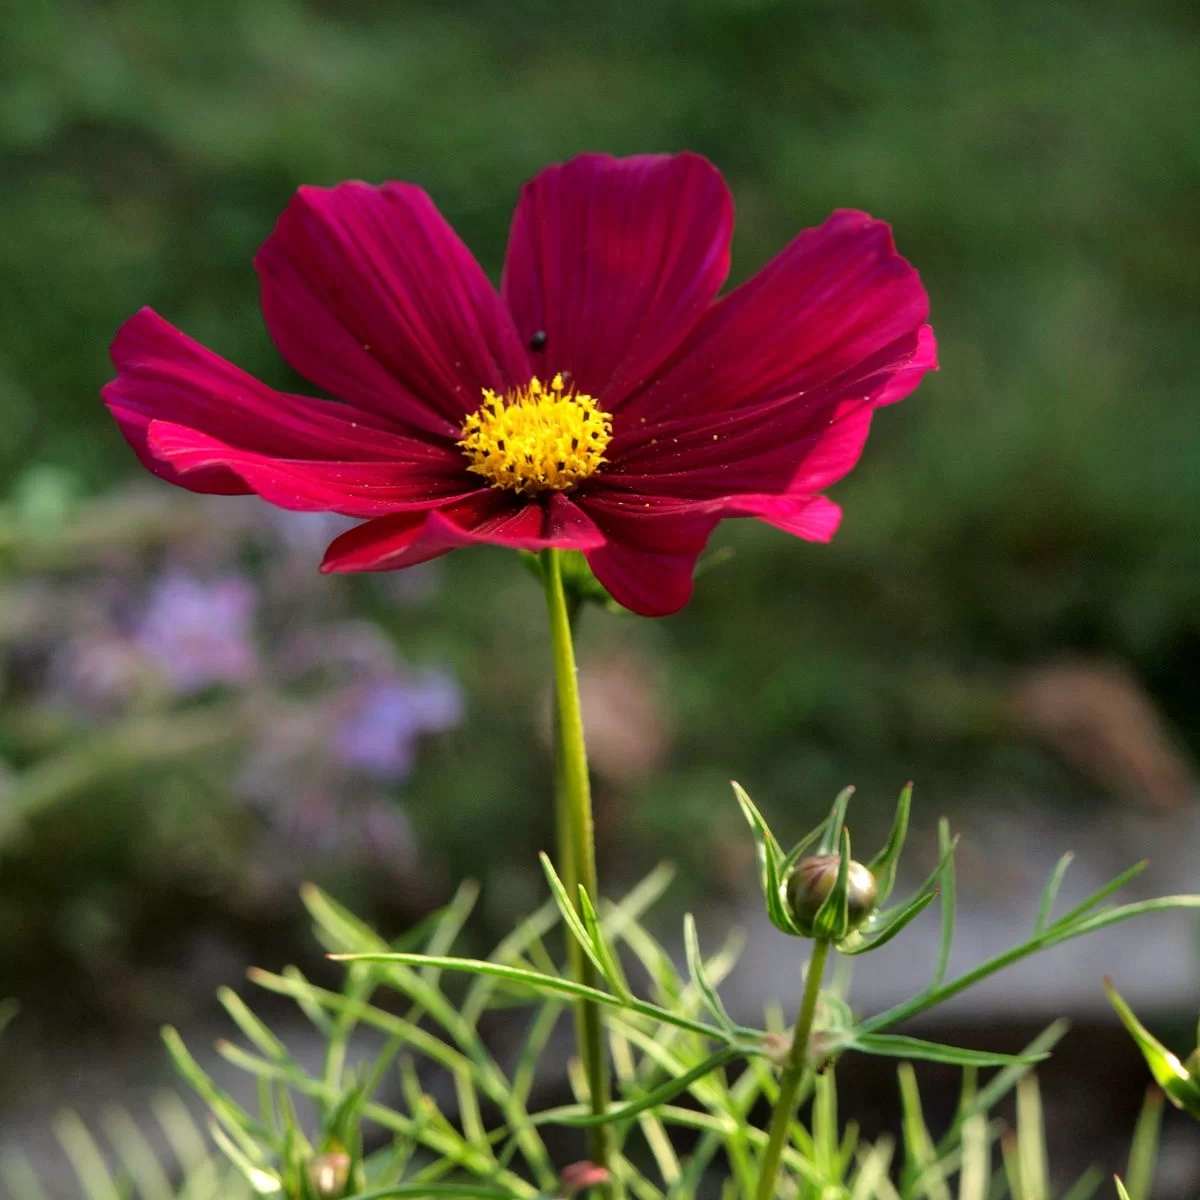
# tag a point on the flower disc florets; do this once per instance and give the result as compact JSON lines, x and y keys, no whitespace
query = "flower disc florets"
{"x":539,"y":438}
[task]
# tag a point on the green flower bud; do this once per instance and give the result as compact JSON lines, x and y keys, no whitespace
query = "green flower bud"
{"x":812,"y":882}
{"x":329,"y":1174}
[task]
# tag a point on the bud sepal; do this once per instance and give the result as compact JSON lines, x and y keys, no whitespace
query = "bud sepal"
{"x":1180,"y":1080}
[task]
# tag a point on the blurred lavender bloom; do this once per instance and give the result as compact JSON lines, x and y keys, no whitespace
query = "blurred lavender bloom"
{"x":379,"y":732}
{"x":308,"y":533}
{"x":99,"y":672}
{"x":200,"y":632}
{"x":413,"y":586}
{"x":386,"y":836}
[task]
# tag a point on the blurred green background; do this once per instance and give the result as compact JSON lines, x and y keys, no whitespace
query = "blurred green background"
{"x":1012,"y":606}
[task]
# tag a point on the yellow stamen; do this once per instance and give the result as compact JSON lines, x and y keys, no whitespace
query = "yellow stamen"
{"x":538,"y":438}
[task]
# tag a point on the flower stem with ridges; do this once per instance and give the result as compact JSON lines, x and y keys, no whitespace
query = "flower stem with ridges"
{"x":576,"y":839}
{"x":793,"y":1073}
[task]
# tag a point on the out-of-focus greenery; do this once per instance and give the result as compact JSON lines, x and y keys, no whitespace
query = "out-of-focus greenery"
{"x":1040,"y":163}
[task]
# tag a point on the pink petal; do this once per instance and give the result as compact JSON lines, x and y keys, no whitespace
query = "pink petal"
{"x":905,"y":381}
{"x":369,"y":293}
{"x":813,"y":518}
{"x":651,"y":549}
{"x":789,"y":445}
{"x":163,"y":375}
{"x":838,"y":295}
{"x":355,"y":489}
{"x":615,"y":260}
{"x":490,"y":516}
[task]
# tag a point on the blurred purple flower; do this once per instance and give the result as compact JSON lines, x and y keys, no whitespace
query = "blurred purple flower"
{"x":99,"y":672}
{"x":200,"y":632}
{"x":378,"y":733}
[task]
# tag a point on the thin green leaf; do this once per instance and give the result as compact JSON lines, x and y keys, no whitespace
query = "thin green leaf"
{"x":1056,"y":934}
{"x":1121,"y":1192}
{"x":1086,"y":1186}
{"x":1050,"y":892}
{"x":469,"y":1114}
{"x":470,"y":1191}
{"x":883,"y":865}
{"x":137,"y":1155}
{"x":541,"y":985}
{"x":975,"y":1166}
{"x":921,"y":1164}
{"x":540,"y":1029}
{"x":304,"y":1001}
{"x":182,"y":1133}
{"x":264,"y":1182}
{"x":415,"y":1036}
{"x":570,"y":917}
{"x":946,"y":885}
{"x":610,"y":965}
{"x":667,"y":986}
{"x":1102,"y":893}
{"x":656,"y":1136}
{"x":580,"y":1115}
{"x":633,"y":904}
{"x":85,"y":1157}
{"x":699,"y":975}
{"x":1031,"y":1141}
{"x":528,"y":933}
{"x":359,"y":984}
{"x":232,"y":1116}
{"x":251,"y":1026}
{"x":1143,"y":1153}
{"x":824,"y":1125}
{"x":340,"y":927}
{"x":872,"y":1171}
{"x":1011,"y":1160}
{"x":895,"y":1045}
{"x":999,"y":1086}
{"x":450,"y":922}
{"x":708,"y":1090}
{"x":8,"y":1010}
{"x":19,"y":1176}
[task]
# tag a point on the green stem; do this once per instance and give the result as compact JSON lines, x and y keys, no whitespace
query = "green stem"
{"x":576,"y":839}
{"x":793,"y":1073}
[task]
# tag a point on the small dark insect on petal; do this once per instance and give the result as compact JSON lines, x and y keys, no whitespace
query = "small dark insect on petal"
{"x":538,"y":341}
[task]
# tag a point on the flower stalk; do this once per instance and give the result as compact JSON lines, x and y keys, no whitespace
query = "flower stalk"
{"x":576,"y":836}
{"x":793,"y":1073}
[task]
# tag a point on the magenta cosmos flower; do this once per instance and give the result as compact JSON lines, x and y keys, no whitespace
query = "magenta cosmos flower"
{"x":604,"y":400}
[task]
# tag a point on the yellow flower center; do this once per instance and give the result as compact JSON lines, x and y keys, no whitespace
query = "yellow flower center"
{"x":539,"y":438}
